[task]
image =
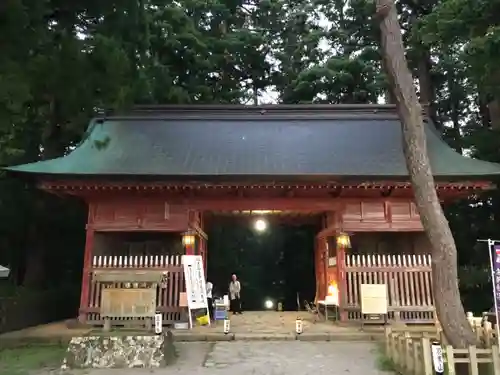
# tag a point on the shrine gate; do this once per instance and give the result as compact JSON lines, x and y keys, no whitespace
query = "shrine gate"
{"x":150,"y":176}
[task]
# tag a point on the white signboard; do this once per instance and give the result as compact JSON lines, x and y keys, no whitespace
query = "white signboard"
{"x":437,"y":358}
{"x":194,"y":275}
{"x":158,"y":323}
{"x":374,"y":299}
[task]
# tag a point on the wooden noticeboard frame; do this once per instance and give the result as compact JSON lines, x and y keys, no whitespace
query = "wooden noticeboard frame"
{"x":128,"y":303}
{"x":374,"y":301}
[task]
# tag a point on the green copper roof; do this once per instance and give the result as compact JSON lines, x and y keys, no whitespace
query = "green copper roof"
{"x":236,"y":141}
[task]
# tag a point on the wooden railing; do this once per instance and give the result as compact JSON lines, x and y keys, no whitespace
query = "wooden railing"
{"x":409,"y":351}
{"x":167,"y":298}
{"x":408,"y":279}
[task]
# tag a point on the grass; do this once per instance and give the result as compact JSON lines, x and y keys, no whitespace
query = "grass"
{"x":383,"y":362}
{"x":25,"y":360}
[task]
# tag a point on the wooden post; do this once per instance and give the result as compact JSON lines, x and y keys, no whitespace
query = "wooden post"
{"x":202,"y":244}
{"x":427,"y":356}
{"x":473,"y":362}
{"x":450,"y":358}
{"x":324,"y":250}
{"x":496,"y":359}
{"x":388,"y":341}
{"x":407,"y":354}
{"x":317,"y":271}
{"x":86,"y":276}
{"x":341,"y":281}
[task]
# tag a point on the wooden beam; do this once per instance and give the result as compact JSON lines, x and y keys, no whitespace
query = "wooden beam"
{"x":328,"y":231}
{"x":387,"y":192}
{"x":275,"y":204}
{"x":200,"y":231}
{"x":335,"y":193}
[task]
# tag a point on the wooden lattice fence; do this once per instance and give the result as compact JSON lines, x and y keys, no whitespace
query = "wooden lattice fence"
{"x":167,"y":296}
{"x":408,"y":279}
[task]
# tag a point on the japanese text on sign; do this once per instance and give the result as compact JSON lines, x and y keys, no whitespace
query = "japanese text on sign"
{"x":195,"y":281}
{"x":495,"y":268}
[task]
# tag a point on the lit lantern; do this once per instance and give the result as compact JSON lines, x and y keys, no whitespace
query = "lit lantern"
{"x":188,"y":238}
{"x":343,"y":240}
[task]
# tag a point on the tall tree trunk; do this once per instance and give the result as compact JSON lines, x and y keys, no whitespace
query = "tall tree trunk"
{"x":484,"y":112}
{"x":427,"y":95}
{"x":494,"y":111}
{"x":444,"y":255}
{"x":455,"y":115}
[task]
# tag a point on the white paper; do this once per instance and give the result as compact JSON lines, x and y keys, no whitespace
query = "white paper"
{"x":194,"y":275}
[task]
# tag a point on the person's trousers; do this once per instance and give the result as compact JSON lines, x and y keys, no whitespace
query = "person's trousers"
{"x":236,"y":305}
{"x":210,"y":302}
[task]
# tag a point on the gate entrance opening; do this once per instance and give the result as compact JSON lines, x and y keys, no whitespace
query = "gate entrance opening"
{"x":272,"y":255}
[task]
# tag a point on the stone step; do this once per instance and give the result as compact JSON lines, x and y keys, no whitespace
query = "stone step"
{"x":187,"y":336}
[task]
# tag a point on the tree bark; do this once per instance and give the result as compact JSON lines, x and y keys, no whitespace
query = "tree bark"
{"x":427,"y":94}
{"x":494,"y":111}
{"x":444,"y":255}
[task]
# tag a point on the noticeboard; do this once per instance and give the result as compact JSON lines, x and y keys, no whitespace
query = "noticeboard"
{"x":374,"y":299}
{"x":194,"y":275}
{"x":128,"y":303}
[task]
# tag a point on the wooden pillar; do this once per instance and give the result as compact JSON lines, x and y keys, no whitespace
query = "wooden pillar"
{"x":190,"y":248}
{"x":202,"y":250}
{"x":86,"y":276}
{"x":341,"y":277}
{"x":317,"y":271}
{"x":323,"y":248}
{"x":321,"y":266}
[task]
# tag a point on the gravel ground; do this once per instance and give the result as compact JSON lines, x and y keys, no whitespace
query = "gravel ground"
{"x":265,"y":358}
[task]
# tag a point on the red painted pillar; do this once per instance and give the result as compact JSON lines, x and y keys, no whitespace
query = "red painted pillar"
{"x":205,"y":256}
{"x":190,"y":249}
{"x":86,"y":276}
{"x":190,"y":244}
{"x":341,"y":280}
{"x":317,"y":270}
{"x":324,"y":251}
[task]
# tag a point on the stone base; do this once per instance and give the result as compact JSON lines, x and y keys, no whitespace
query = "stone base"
{"x":106,"y":351}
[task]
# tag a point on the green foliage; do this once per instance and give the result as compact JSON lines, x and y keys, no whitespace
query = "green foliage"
{"x":384,"y":363}
{"x":60,"y":64}
{"x":25,"y":360}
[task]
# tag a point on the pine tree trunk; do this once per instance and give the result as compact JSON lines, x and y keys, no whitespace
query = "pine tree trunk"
{"x":494,"y":110}
{"x":444,"y":255}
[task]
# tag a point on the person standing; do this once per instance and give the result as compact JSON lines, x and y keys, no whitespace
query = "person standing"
{"x":235,"y":294}
{"x":210,"y":300}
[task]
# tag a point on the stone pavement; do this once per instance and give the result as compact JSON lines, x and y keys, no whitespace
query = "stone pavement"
{"x":275,"y":322}
{"x":263,"y":358}
{"x":272,"y":325}
{"x":251,"y":325}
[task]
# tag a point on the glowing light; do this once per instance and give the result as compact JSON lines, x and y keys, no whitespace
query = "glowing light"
{"x":343,"y":240}
{"x":188,"y":238}
{"x":260,"y":225}
{"x":268,"y":304}
{"x":332,"y":296}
